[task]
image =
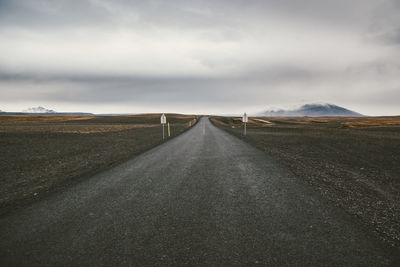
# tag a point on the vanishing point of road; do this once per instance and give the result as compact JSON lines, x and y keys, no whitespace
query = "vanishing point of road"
{"x":204,"y":198}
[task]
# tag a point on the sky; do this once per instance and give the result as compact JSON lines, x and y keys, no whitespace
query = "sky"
{"x":204,"y":57}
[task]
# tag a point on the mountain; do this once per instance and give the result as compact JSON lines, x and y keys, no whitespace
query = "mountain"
{"x":44,"y":111}
{"x":41,"y":110}
{"x":312,"y":110}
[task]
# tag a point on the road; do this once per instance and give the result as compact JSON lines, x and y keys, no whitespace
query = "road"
{"x":204,"y":198}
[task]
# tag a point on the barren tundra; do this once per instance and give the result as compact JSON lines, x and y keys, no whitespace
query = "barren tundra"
{"x":42,"y":154}
{"x":204,"y":198}
{"x":354,"y":162}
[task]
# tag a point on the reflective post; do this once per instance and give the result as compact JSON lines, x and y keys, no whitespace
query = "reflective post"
{"x":245,"y":119}
{"x":163,"y":122}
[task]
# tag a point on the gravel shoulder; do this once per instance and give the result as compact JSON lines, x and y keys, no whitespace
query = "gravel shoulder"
{"x":353,"y":162}
{"x":44,"y":154}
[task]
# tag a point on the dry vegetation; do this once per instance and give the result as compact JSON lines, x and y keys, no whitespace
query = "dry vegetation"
{"x":355,"y":162}
{"x":42,"y":154}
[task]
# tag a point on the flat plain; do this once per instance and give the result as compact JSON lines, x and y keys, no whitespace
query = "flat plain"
{"x":43,"y":154}
{"x":205,"y":198}
{"x":353,"y":162}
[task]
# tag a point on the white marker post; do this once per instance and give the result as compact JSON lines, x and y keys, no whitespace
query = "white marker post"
{"x":245,"y":119}
{"x":163,"y":122}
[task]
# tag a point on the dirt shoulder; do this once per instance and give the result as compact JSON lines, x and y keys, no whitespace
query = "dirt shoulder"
{"x":354,"y":162}
{"x":43,"y":154}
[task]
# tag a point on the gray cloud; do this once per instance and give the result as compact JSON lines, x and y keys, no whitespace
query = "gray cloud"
{"x":125,"y":88}
{"x":391,"y":37}
{"x":52,"y":14}
{"x":218,"y":55}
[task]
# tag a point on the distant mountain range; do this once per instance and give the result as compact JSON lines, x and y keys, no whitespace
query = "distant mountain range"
{"x":38,"y":110}
{"x":312,"y":110}
{"x":43,"y":111}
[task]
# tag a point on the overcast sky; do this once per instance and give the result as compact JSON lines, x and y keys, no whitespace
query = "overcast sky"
{"x":219,"y":56}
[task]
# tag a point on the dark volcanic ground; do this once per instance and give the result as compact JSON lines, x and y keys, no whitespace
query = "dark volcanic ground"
{"x":205,"y":198}
{"x":355,"y":162}
{"x":42,"y":154}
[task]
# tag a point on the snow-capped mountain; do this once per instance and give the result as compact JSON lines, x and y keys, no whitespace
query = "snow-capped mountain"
{"x":312,"y":110}
{"x":38,"y":110}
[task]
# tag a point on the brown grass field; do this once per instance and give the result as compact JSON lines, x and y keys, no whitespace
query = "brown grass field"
{"x":43,"y":154}
{"x":354,"y":162}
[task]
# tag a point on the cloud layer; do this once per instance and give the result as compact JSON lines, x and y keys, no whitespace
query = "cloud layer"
{"x":196,"y":56}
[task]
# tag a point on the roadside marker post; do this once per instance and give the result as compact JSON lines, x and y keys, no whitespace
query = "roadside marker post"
{"x":169,"y":130}
{"x":245,"y":119}
{"x":163,"y":122}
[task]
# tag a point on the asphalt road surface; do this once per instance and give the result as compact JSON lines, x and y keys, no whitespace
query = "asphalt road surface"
{"x":204,"y":198}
